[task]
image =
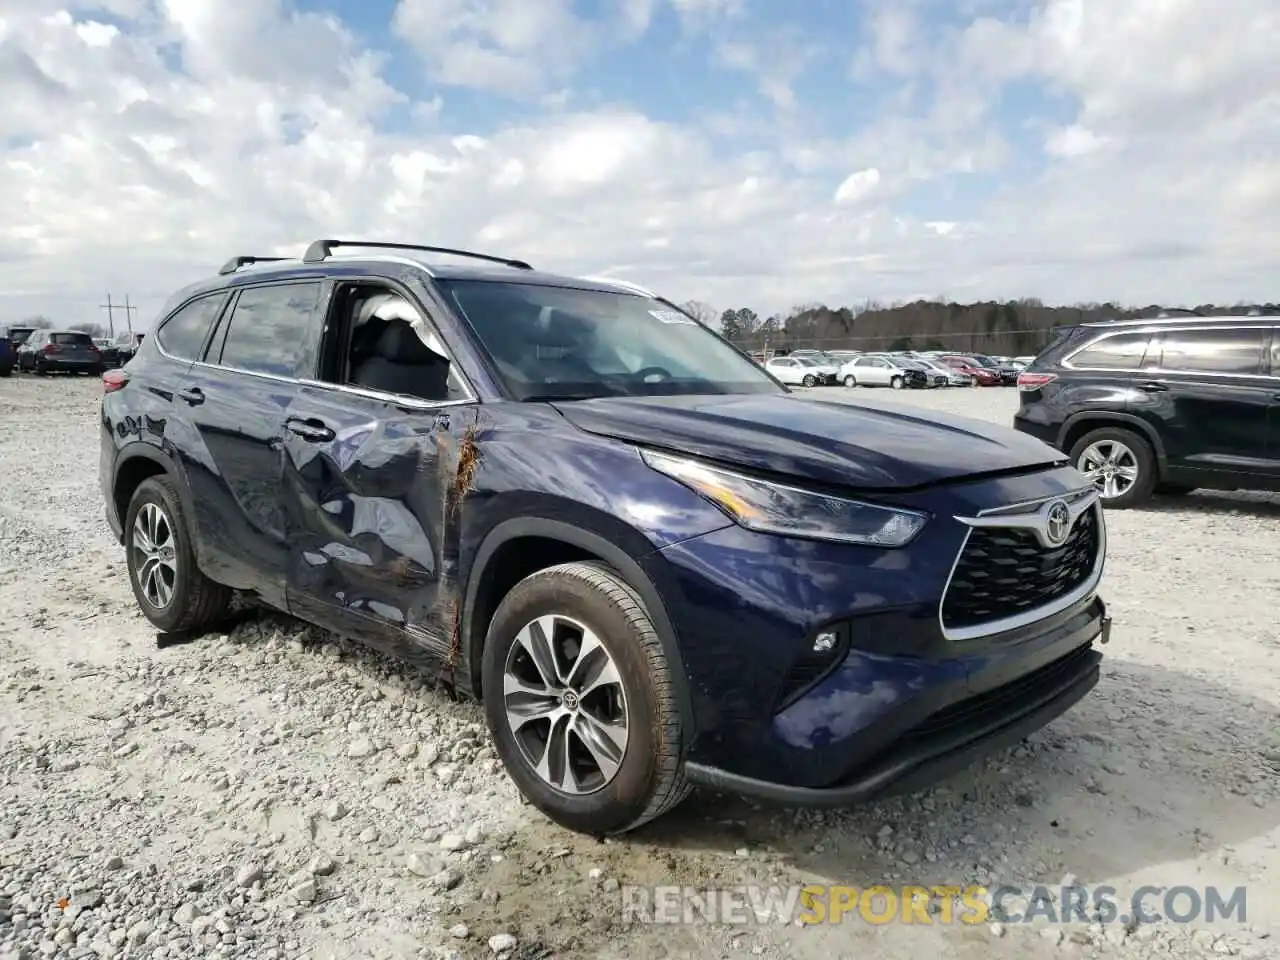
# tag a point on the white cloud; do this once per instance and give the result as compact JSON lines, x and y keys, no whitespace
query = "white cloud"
{"x":1074,"y":141}
{"x":858,"y":186}
{"x":138,"y":156}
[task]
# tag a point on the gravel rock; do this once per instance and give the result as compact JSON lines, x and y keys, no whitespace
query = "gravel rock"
{"x":501,"y":943}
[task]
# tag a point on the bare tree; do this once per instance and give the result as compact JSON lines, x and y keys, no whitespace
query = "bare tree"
{"x":92,"y":329}
{"x":704,"y":313}
{"x":39,"y":321}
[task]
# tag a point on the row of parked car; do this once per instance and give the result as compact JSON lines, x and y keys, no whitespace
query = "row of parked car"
{"x":36,"y":350}
{"x":908,"y":369}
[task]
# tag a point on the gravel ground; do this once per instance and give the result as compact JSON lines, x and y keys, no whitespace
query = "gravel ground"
{"x":278,"y":793}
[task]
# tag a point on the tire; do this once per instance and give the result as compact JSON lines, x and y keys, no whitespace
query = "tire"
{"x":1140,"y":455}
{"x":809,"y":380}
{"x":97,"y":371}
{"x":850,"y":381}
{"x":649,"y":779}
{"x":6,"y":371}
{"x":895,"y":382}
{"x":195,"y":602}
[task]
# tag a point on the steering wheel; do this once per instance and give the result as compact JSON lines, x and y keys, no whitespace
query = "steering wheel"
{"x":644,"y":373}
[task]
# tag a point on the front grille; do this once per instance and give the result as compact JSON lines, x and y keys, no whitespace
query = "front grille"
{"x":1005,"y":571}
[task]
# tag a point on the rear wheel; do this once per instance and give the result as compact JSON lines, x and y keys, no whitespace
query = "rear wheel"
{"x":579,"y":698}
{"x":172,"y":592}
{"x":1119,"y":462}
{"x":850,"y":381}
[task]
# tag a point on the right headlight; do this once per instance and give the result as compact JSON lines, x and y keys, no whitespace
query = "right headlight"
{"x":789,"y":511}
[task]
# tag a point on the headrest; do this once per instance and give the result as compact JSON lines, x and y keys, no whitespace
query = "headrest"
{"x":400,"y":343}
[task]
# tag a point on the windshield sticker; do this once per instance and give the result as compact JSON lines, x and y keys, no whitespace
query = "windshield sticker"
{"x":671,"y":316}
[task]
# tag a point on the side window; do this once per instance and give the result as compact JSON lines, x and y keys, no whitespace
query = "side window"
{"x":1121,"y":351}
{"x":392,"y":348}
{"x":1236,"y":351}
{"x":274,"y":329}
{"x":183,"y":334}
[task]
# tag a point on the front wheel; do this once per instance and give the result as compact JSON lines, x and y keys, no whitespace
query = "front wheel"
{"x":809,"y":380}
{"x":580,"y":700}
{"x":1120,"y":463}
{"x":896,"y":383}
{"x":850,"y":381}
{"x":170,"y":589}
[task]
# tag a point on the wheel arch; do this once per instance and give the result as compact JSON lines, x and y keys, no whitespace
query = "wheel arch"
{"x":538,"y":543}
{"x":136,"y":463}
{"x":1077,"y":425}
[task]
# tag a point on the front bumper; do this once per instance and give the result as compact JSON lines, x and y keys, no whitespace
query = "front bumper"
{"x":773,"y":716}
{"x":956,"y":733}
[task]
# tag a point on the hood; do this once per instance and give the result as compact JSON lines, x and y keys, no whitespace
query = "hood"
{"x":841,"y":444}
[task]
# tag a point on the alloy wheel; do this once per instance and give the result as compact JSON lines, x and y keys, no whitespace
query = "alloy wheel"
{"x":155,"y":555}
{"x":566,"y":705}
{"x":1111,"y":465}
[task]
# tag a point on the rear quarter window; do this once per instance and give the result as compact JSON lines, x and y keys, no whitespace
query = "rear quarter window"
{"x":1116,"y":351}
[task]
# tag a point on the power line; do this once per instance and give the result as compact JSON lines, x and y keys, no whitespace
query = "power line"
{"x":111,"y":309}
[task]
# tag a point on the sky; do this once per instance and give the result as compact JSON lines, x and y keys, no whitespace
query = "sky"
{"x":739,"y":152}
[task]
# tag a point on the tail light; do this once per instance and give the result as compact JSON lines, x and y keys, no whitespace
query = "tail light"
{"x":52,"y":348}
{"x":114,"y":380}
{"x":1034,"y":381}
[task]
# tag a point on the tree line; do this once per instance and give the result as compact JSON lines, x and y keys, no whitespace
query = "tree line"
{"x":1009,"y":328}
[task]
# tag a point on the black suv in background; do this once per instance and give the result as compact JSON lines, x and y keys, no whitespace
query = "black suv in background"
{"x":1161,"y":406}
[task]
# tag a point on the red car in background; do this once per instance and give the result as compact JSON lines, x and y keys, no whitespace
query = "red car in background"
{"x":970,"y":367}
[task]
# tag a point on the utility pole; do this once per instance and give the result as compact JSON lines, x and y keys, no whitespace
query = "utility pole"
{"x":111,"y":309}
{"x":111,"y":316}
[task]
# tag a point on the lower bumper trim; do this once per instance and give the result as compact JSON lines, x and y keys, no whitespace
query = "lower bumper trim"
{"x":919,"y":763}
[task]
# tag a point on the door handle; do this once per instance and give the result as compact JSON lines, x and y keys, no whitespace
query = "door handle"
{"x":193,"y":395}
{"x":1153,"y":386}
{"x":313,"y":431}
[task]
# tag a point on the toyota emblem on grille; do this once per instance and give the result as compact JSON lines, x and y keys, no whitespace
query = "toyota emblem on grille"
{"x":1057,"y":523}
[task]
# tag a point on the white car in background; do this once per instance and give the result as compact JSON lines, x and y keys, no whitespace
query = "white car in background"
{"x":801,"y":371}
{"x":882,"y":371}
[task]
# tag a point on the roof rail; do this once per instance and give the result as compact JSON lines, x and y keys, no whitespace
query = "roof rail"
{"x":321,"y":249}
{"x":235,"y":263}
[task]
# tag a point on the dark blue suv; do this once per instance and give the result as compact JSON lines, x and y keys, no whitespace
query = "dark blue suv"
{"x":655,"y":565}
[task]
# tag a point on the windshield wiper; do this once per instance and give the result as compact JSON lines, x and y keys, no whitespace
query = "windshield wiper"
{"x":553,"y":397}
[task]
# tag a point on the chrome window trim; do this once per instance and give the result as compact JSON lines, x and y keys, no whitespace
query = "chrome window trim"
{"x":1157,"y":329}
{"x":1023,"y":515}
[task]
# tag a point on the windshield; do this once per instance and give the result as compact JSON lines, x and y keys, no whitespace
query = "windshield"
{"x":567,"y":344}
{"x":985,"y":361}
{"x":906,"y":363}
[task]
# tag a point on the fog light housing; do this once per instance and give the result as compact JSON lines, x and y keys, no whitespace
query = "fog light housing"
{"x":824,"y":650}
{"x":826,"y":641}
